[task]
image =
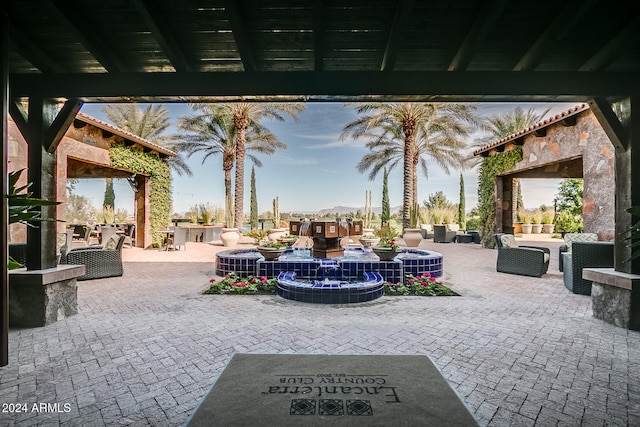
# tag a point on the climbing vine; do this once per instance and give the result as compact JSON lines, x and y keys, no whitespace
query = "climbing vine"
{"x":160,"y":182}
{"x":491,"y":167}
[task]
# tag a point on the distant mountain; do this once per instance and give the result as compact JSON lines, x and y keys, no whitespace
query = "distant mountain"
{"x":341,"y":210}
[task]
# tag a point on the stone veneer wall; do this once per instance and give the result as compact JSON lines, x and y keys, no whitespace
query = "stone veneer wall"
{"x":585,"y":139}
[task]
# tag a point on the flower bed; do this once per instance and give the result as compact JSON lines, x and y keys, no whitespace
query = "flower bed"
{"x":422,"y":285}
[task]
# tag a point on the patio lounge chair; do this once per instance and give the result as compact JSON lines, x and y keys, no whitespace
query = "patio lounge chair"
{"x":99,"y":261}
{"x":522,"y":260}
{"x":441,"y":234}
{"x":582,"y":255}
{"x":569,"y":238}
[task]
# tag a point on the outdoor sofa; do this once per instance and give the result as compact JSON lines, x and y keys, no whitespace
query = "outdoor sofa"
{"x":99,"y":261}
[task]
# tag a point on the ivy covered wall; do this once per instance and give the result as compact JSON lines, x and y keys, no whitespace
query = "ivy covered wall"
{"x":491,"y":167}
{"x":160,"y":182}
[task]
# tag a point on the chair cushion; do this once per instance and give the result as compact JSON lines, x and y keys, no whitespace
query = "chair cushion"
{"x":569,"y":238}
{"x":546,"y":257}
{"x":453,"y":227}
{"x":508,"y":241}
{"x":112,"y":243}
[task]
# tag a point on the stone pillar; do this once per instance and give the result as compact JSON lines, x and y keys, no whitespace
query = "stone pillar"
{"x":499,"y":196}
{"x":142,"y":211}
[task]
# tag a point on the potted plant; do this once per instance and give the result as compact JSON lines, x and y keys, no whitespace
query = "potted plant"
{"x":536,"y":220}
{"x":386,"y":250}
{"x":272,"y":250}
{"x":257,"y":234}
{"x":547,"y":222}
{"x":288,"y":239}
{"x":230,"y":236}
{"x":527,"y":227}
{"x":412,"y":236}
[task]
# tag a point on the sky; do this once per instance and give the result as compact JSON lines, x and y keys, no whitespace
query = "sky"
{"x":317,"y":170}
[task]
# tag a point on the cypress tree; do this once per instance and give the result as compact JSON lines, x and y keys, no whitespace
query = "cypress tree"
{"x":109,"y":195}
{"x":461,"y":207}
{"x":385,"y":216}
{"x":254,"y":201}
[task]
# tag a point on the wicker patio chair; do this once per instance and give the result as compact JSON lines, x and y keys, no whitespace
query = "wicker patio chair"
{"x":582,"y":255}
{"x":99,"y":262}
{"x":442,"y":235}
{"x":522,"y":260}
{"x":569,"y":238}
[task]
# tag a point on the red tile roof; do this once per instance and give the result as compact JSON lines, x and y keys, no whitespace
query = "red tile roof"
{"x":123,"y":133}
{"x":547,"y":122}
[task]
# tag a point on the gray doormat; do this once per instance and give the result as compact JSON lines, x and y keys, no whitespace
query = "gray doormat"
{"x":310,"y":390}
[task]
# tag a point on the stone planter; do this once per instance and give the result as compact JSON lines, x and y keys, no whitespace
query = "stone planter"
{"x":548,"y":228}
{"x":412,"y":237}
{"x":230,"y":236}
{"x":527,"y":228}
{"x":276,"y":233}
{"x":537,"y":228}
{"x":270,"y":254}
{"x":385,"y":254}
{"x":288,"y":240}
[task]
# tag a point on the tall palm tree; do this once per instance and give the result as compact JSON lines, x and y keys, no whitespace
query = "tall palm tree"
{"x":150,"y":124}
{"x":212,"y":131}
{"x":411,"y":133}
{"x":247,"y":114}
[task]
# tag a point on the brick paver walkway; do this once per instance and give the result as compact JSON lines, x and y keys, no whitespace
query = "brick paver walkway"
{"x":145,"y":347}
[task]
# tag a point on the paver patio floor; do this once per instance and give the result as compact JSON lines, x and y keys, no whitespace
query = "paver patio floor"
{"x":145,"y":347}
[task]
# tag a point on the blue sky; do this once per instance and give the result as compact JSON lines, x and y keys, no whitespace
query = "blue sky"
{"x":317,"y":170}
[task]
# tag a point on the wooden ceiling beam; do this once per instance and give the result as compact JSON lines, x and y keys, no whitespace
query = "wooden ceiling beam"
{"x":155,"y":20}
{"x":318,"y":34}
{"x":241,"y":35}
{"x":610,"y":123}
{"x":398,"y":28}
{"x":64,"y":119}
{"x":627,"y":38}
{"x":30,"y":51}
{"x":68,"y":16}
{"x":561,"y":26}
{"x":482,"y":25}
{"x":328,"y":86}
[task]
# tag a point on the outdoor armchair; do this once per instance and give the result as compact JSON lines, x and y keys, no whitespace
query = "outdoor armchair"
{"x":569,"y":238}
{"x":522,"y":260}
{"x":441,"y":234}
{"x":99,"y":262}
{"x":582,"y":255}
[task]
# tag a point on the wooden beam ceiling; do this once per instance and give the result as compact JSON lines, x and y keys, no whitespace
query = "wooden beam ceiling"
{"x":398,"y":27}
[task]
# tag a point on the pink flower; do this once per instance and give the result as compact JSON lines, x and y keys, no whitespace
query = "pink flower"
{"x":433,"y":279}
{"x":212,"y":281}
{"x":426,"y":274}
{"x":410,"y":281}
{"x":424,"y":283}
{"x":239,"y":284}
{"x":226,"y":276}
{"x":264,"y":279}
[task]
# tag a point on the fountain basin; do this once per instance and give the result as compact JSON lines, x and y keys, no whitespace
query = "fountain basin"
{"x":330,"y":291}
{"x":248,"y":262}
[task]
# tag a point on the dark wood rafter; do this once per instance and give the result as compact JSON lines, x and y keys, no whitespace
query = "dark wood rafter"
{"x":30,"y":51}
{"x":564,"y":22}
{"x":482,"y":25}
{"x":398,"y":28}
{"x":159,"y":27}
{"x":610,"y":123}
{"x":19,"y":116}
{"x":61,"y":124}
{"x":428,"y":86}
{"x":241,"y":35}
{"x":569,"y":121}
{"x":69,"y":18}
{"x":318,"y":34}
{"x":541,"y":132}
{"x":626,"y":39}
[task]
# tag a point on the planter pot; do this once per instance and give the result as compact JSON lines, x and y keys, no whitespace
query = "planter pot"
{"x":412,"y":237}
{"x":367,"y":231}
{"x":385,"y":254}
{"x":368,"y":243}
{"x":271,"y":254}
{"x":537,"y":228}
{"x":230,"y":236}
{"x":517,"y":228}
{"x":276,"y":233}
{"x":526,"y":228}
{"x":288,"y":240}
{"x":548,"y":228}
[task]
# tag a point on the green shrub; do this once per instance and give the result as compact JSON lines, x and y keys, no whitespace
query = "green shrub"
{"x":233,"y":284}
{"x":423,"y":285}
{"x":566,"y":222}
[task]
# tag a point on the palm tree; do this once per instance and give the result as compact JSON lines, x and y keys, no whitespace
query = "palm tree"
{"x":212,"y":131}
{"x":411,"y":133}
{"x":245,"y":115}
{"x":150,"y":124}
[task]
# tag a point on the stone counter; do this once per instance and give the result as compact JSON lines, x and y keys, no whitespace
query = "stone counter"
{"x":615,"y":296}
